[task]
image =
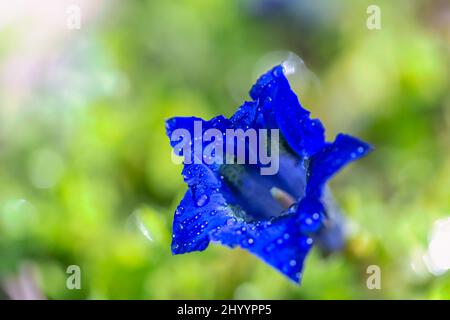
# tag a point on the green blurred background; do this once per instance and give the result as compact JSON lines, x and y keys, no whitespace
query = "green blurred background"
{"x":86,"y":176}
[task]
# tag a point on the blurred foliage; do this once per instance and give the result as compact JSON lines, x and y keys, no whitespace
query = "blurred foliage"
{"x":86,"y":164}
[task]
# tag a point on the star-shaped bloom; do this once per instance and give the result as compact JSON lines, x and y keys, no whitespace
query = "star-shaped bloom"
{"x":275,"y":217}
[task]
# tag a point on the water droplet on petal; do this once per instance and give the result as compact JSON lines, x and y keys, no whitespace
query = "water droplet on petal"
{"x":305,"y":242}
{"x":202,"y":200}
{"x":179,"y":210}
{"x":269,"y":247}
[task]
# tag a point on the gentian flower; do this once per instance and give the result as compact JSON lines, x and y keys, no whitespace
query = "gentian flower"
{"x":276,"y":217}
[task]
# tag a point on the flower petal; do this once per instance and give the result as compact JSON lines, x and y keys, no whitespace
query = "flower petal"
{"x":282,"y":110}
{"x":219,"y":122}
{"x":202,"y":210}
{"x":245,"y":116}
{"x":331,"y":159}
{"x":193,"y":223}
{"x":280,"y":243}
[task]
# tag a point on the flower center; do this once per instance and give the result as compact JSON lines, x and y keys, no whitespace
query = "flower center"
{"x":256,"y":197}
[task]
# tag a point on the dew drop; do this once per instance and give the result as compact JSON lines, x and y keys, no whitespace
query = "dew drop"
{"x":292,"y":263}
{"x":202,"y":200}
{"x":179,"y":210}
{"x":250,"y":241}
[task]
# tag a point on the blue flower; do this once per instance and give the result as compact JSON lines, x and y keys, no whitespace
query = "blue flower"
{"x":276,"y":217}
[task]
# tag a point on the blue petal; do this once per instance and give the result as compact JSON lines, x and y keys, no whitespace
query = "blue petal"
{"x":245,"y":116}
{"x":282,"y":110}
{"x":219,"y":122}
{"x":192,"y":224}
{"x":202,"y":210}
{"x":280,"y":243}
{"x":331,"y":159}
